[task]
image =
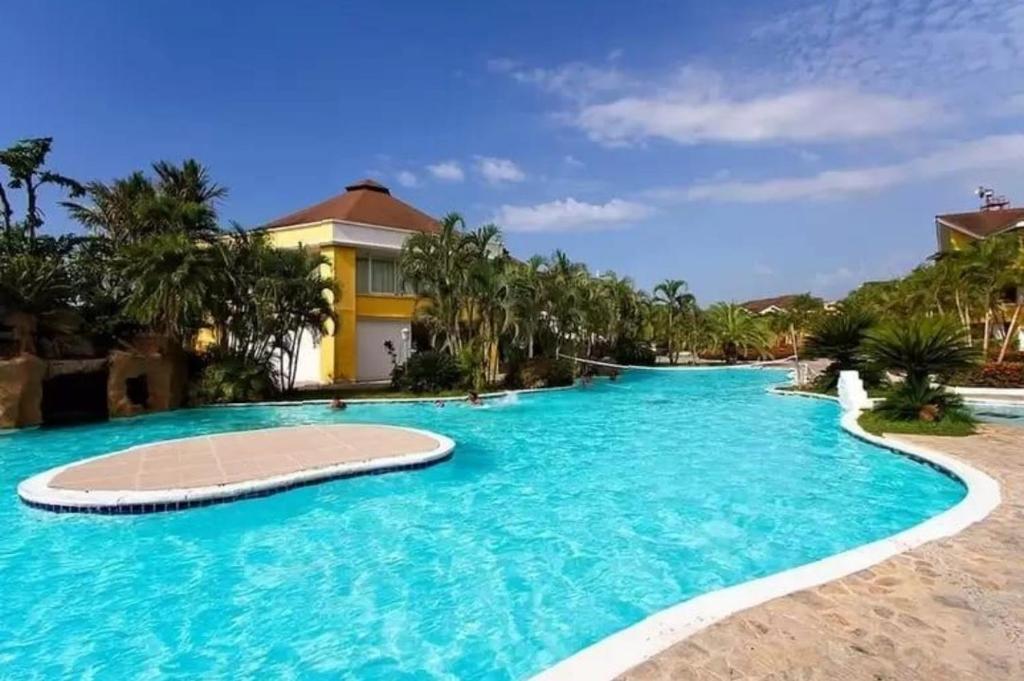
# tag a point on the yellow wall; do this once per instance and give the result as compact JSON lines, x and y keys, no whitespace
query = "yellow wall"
{"x":953,"y":240}
{"x":387,"y":307}
{"x":338,"y":349}
{"x":311,"y":235}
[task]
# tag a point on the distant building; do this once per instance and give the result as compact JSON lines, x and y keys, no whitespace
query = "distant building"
{"x":955,"y":231}
{"x":770,"y":305}
{"x":361,"y":233}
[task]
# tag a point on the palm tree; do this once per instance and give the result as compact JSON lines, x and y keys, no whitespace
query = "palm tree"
{"x":169,"y":278}
{"x":734,"y":329}
{"x":839,"y":337}
{"x":180,"y":198}
{"x":25,"y":162}
{"x":436,"y":265}
{"x":922,"y":348}
{"x":799,"y":314}
{"x":565,"y":283}
{"x":525,"y":300}
{"x":672,"y":294}
{"x":35,"y":291}
{"x":1012,"y":279}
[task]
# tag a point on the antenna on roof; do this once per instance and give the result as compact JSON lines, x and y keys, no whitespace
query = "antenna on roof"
{"x":990,"y":200}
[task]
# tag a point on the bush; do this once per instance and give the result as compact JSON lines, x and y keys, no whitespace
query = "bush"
{"x":632,"y":351}
{"x":876,"y":423}
{"x":541,"y":372}
{"x":232,"y":379}
{"x":912,"y":401}
{"x":1005,"y":375}
{"x":427,"y":372}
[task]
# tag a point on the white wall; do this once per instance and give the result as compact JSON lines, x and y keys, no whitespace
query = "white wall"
{"x":373,"y":361}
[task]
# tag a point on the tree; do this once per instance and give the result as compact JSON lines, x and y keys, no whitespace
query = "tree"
{"x":839,"y":337}
{"x":435,"y":265}
{"x":798,"y":316}
{"x":178,"y":199}
{"x":26,"y":167}
{"x":672,"y":294}
{"x":169,"y":279}
{"x":35,"y":291}
{"x":734,"y":329}
{"x":923,"y":349}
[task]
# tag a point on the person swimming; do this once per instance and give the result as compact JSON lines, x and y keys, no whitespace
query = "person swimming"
{"x":337,"y":403}
{"x":474,"y":398}
{"x":614,"y":375}
{"x":439,"y":404}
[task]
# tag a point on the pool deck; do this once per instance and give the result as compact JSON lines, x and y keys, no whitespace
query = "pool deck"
{"x":951,"y":609}
{"x":222,"y":467}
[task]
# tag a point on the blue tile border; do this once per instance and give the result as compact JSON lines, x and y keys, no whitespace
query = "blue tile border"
{"x":170,"y":506}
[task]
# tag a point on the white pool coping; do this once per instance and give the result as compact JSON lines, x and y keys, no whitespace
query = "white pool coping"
{"x":36,"y":490}
{"x":634,"y":645}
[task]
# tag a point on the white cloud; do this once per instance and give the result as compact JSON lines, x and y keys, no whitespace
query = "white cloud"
{"x":574,"y":80}
{"x":804,"y":115}
{"x":448,"y":171}
{"x":499,"y":170}
{"x":904,"y":46}
{"x":569,"y":215}
{"x":571,"y":160}
{"x":407,"y":179}
{"x":995,"y":151}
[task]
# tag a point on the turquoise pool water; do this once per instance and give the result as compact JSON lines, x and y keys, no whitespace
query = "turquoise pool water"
{"x":562,"y":518}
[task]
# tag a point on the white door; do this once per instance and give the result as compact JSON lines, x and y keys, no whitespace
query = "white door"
{"x":373,"y":362}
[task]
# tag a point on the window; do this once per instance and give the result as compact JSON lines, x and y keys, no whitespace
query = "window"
{"x":379,"y":275}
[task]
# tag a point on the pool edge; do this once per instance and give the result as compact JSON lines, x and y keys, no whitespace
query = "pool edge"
{"x":36,"y":492}
{"x":623,"y":650}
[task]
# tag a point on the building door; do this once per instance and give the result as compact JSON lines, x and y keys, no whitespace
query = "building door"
{"x":372,"y":359}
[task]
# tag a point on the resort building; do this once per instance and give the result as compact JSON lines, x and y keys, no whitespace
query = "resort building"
{"x":361,"y":233}
{"x":767,"y":306}
{"x":955,"y":231}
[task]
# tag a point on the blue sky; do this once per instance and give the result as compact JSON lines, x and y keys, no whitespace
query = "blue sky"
{"x":749,"y":148}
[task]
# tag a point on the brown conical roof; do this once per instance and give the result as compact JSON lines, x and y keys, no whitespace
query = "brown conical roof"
{"x":367,"y":202}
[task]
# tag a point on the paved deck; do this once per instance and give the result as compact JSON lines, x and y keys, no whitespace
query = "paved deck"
{"x":233,"y":464}
{"x":951,"y":610}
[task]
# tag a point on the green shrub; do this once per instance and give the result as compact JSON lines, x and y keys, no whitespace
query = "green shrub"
{"x":232,"y":379}
{"x":876,"y":423}
{"x":632,"y":351}
{"x":427,"y":372}
{"x":541,"y":372}
{"x":839,"y":337}
{"x":922,"y":402}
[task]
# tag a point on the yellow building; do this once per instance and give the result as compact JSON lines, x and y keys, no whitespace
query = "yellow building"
{"x":361,"y":233}
{"x":955,"y":231}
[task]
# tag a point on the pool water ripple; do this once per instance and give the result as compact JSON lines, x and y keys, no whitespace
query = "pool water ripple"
{"x":562,"y":518}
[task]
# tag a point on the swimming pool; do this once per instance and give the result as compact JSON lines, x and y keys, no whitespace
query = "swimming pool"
{"x":562,"y":518}
{"x":1001,"y":414}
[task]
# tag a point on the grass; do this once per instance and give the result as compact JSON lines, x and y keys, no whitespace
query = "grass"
{"x":875,"y":423}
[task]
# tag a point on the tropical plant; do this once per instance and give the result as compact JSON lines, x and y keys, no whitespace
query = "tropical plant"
{"x":795,"y":320}
{"x":25,"y":162}
{"x":677,"y":302}
{"x":839,"y":337}
{"x":169,"y":278}
{"x":733,"y":330}
{"x":231,"y":378}
{"x":35,"y":292}
{"x":923,"y":349}
{"x":178,"y":199}
{"x":429,"y":371}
